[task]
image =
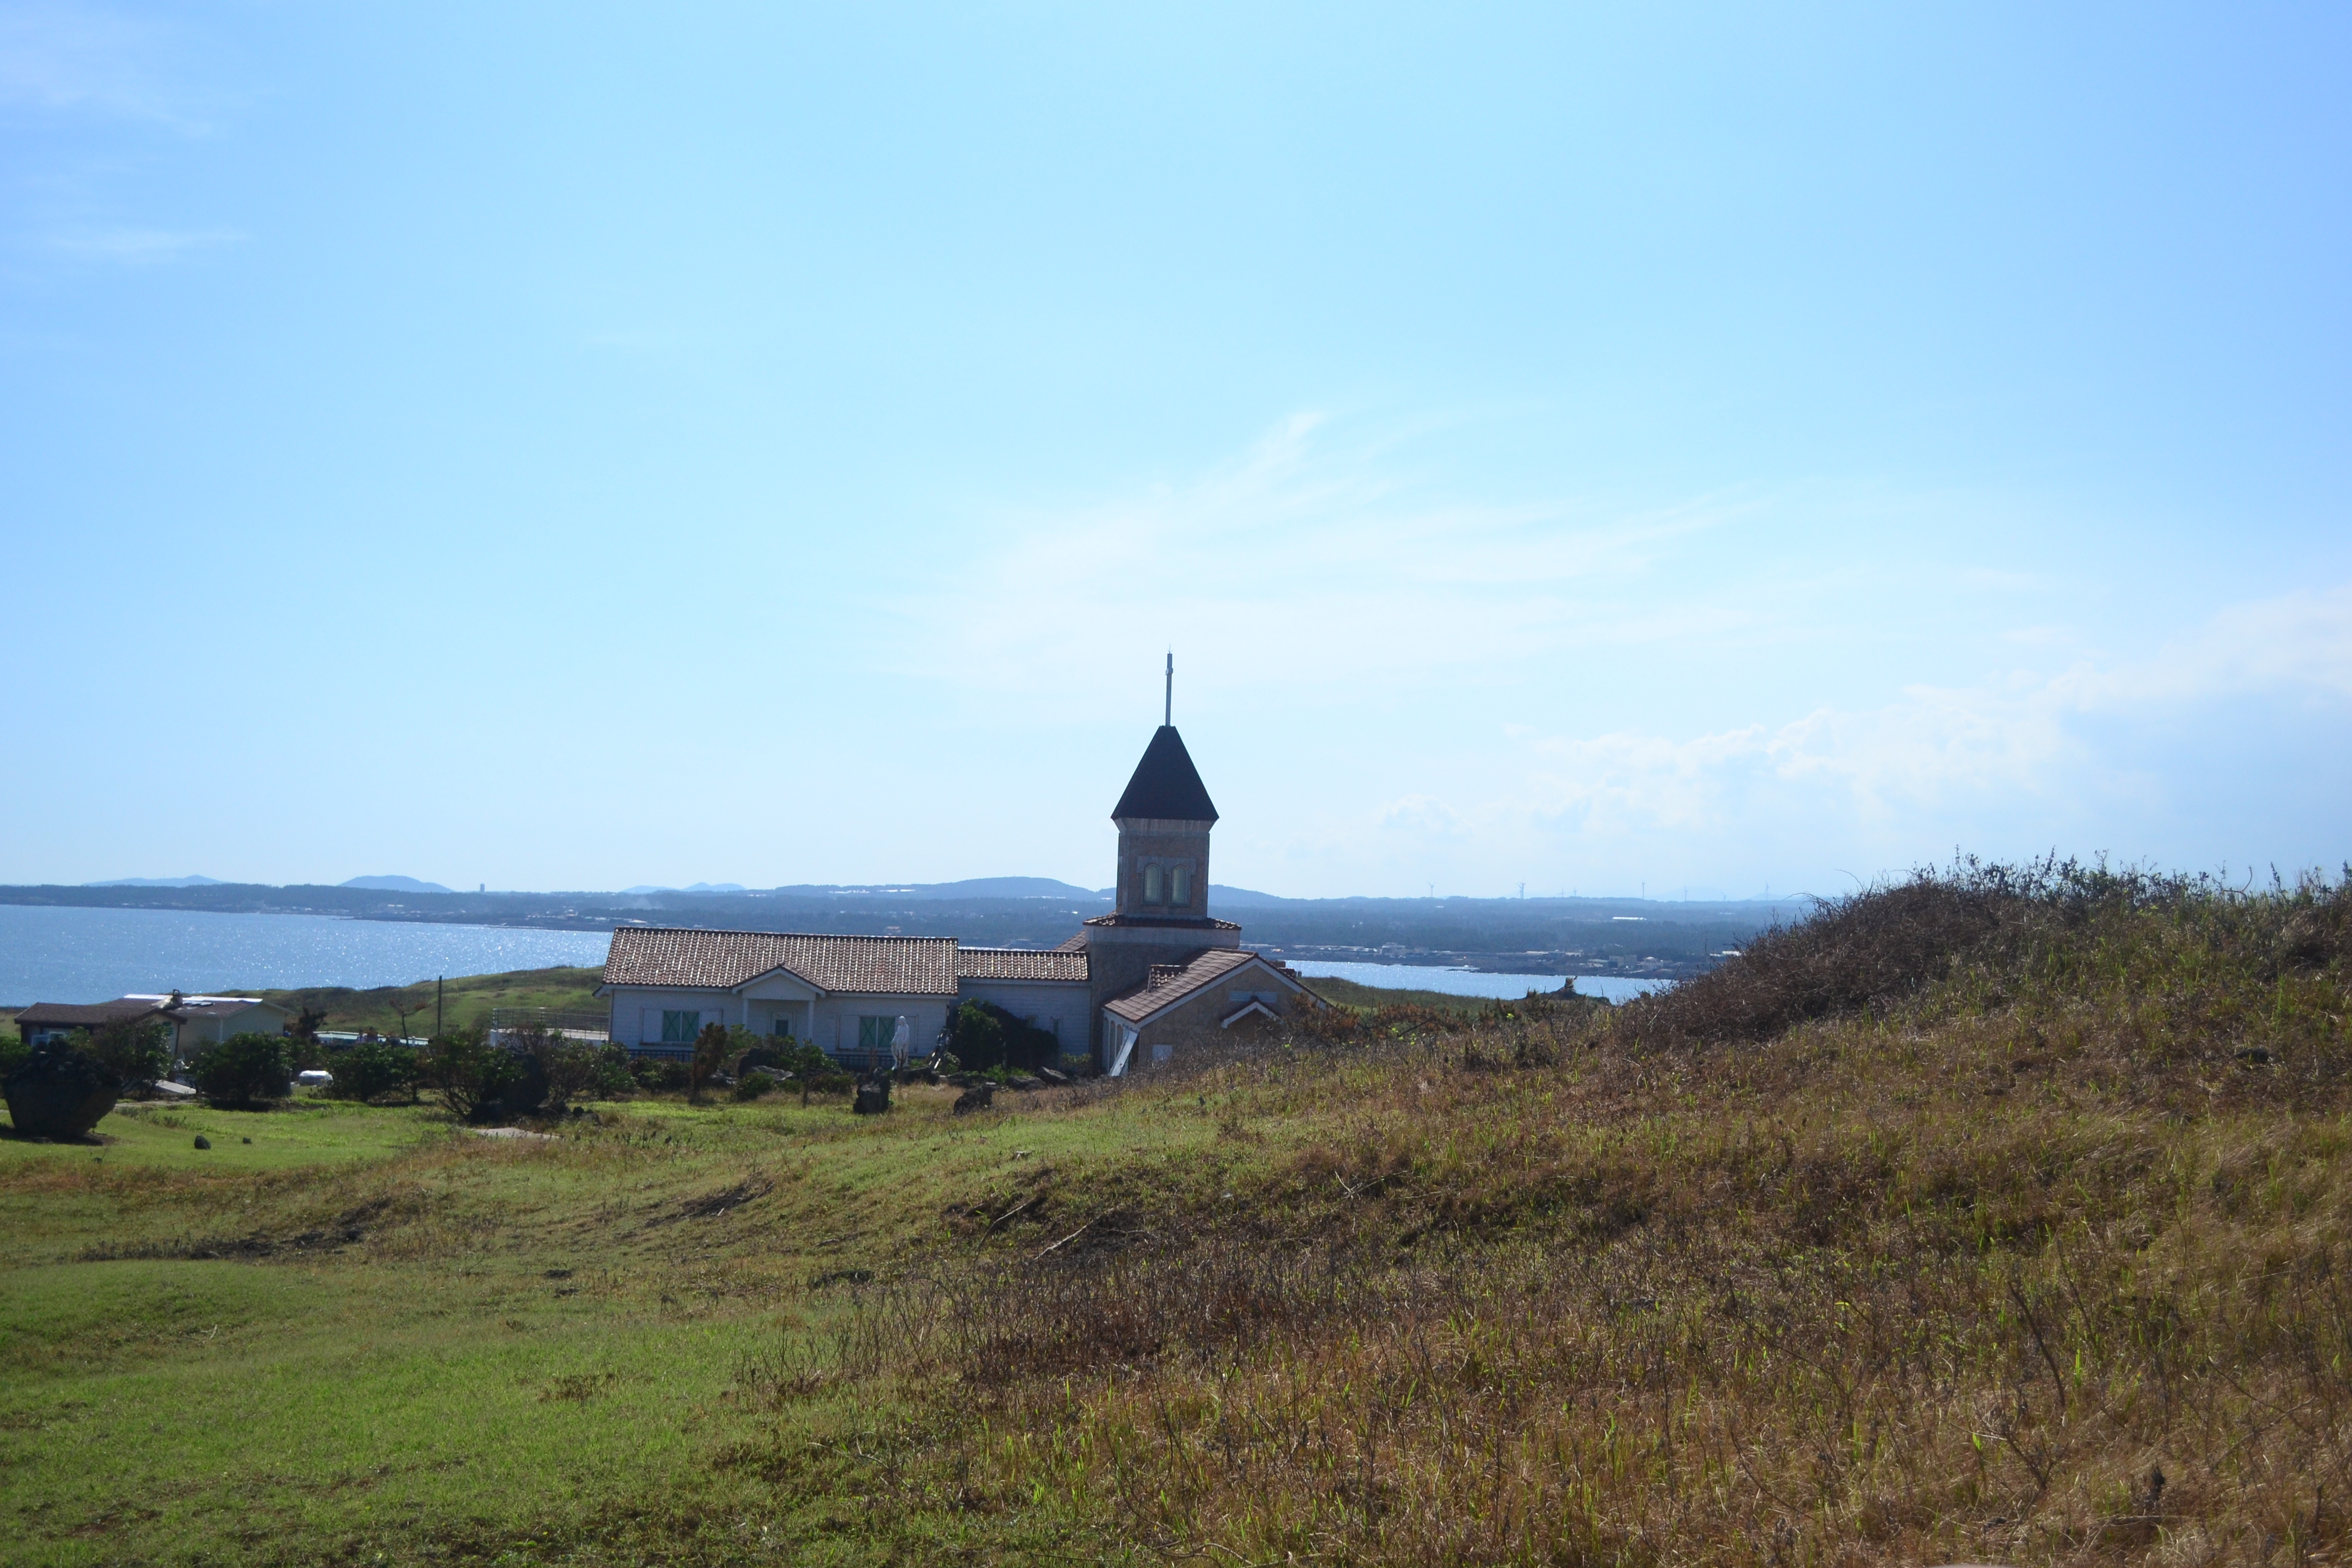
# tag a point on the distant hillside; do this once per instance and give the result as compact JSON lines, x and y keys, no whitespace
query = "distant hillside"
{"x":160,"y":882}
{"x":465,"y":1003}
{"x":395,"y":884}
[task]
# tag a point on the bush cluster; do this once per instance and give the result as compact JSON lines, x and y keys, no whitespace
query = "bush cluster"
{"x":981,"y":1034}
{"x":2003,"y":932}
{"x":466,"y":1070}
{"x":374,"y":1068}
{"x":136,"y":1053}
{"x":245,"y":1069}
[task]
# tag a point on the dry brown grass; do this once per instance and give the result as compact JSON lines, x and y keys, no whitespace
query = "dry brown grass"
{"x":2040,"y":1255}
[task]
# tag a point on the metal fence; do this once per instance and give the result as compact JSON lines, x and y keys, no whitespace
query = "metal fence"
{"x":596,"y":1027}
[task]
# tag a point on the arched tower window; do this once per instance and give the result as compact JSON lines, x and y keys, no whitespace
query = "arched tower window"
{"x":1153,"y":892}
{"x":1180,"y":885}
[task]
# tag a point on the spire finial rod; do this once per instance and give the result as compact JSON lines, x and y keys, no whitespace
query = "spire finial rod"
{"x":1168,"y":714}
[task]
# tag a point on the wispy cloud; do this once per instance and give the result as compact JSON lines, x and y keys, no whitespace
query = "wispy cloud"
{"x":2033,"y":750}
{"x":85,"y":60}
{"x":1308,"y":554}
{"x":138,"y":247}
{"x":1749,"y":666}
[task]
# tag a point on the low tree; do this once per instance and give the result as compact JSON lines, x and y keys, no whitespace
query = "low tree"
{"x":710,"y":1051}
{"x":815,"y":1072}
{"x":571,"y":1069}
{"x":976,"y":1036}
{"x":302,"y":1039}
{"x":660,"y":1074}
{"x":614,"y":1081}
{"x":982,"y":1035}
{"x":466,"y":1070}
{"x":136,"y":1053}
{"x":373,"y":1068}
{"x":245,"y":1069}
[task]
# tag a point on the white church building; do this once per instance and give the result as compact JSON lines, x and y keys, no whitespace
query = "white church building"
{"x":1131,"y":989}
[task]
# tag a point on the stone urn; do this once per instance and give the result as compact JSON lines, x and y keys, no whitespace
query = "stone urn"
{"x":59,"y":1093}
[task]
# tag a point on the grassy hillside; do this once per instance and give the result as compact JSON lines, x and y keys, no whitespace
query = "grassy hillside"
{"x":1995,"y":1218}
{"x":466,"y":1002}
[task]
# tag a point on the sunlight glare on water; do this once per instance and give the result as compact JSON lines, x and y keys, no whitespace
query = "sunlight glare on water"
{"x":1471,"y":982}
{"x":59,"y":954}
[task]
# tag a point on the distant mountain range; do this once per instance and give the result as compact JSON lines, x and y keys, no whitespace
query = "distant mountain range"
{"x":1660,"y":939}
{"x":970,"y":888}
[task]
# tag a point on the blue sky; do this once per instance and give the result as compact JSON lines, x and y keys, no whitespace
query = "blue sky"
{"x":1703,"y":446}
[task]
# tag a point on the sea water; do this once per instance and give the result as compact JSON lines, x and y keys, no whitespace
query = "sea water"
{"x":54,"y":954}
{"x":50,"y":954}
{"x":1473,"y":982}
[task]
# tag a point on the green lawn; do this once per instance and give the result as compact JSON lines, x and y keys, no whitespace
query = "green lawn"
{"x":368,"y":1331}
{"x":1948,"y":1283}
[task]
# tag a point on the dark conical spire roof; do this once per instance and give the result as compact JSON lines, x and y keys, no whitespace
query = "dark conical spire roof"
{"x":1166,"y":784}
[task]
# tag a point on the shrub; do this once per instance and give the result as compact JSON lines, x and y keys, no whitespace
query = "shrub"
{"x":466,"y":1070}
{"x":2004,"y":932}
{"x":136,"y":1053}
{"x":59,"y":1090}
{"x":245,"y":1069}
{"x":571,"y":1069}
{"x":613,"y":1079}
{"x":755,"y":1084}
{"x":661,"y":1073}
{"x":710,"y":1051}
{"x":373,"y":1068}
{"x":814,"y":1072}
{"x":983,"y":1035}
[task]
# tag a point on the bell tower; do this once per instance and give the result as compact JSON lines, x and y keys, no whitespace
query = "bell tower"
{"x":1159,"y":910}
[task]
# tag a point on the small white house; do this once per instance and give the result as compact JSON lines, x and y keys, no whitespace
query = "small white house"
{"x":199,"y":1022}
{"x":843,"y":994}
{"x":196,"y":1022}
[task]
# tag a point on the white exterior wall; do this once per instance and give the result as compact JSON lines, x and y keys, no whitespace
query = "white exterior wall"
{"x":833,"y":1017}
{"x":836,"y":1020}
{"x":261,"y":1019}
{"x":1057,"y":1007}
{"x":630,"y":1004}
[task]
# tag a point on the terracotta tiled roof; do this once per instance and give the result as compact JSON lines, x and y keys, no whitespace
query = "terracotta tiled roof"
{"x":1021,"y":964}
{"x":1174,"y":982}
{"x":899,"y":965}
{"x":1075,"y":944}
{"x":73,"y":1016}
